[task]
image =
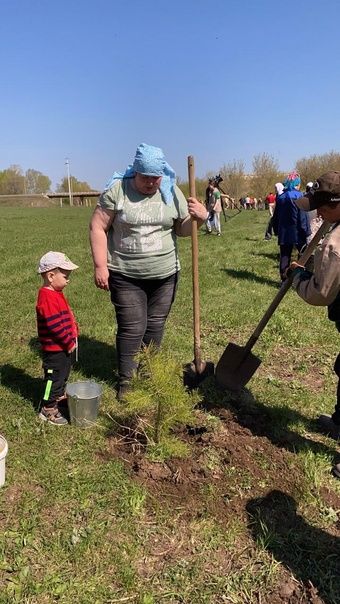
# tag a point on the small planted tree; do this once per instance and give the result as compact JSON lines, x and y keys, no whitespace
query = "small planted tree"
{"x":159,"y":403}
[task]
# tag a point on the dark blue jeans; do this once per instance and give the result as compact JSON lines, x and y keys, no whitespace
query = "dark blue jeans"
{"x":142,"y":307}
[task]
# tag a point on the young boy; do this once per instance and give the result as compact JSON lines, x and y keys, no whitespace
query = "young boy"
{"x":57,"y":331}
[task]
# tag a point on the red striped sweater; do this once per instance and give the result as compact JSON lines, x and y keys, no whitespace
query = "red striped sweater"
{"x":57,"y":329}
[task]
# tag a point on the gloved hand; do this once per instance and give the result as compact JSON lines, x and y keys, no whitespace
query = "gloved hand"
{"x":294,"y":269}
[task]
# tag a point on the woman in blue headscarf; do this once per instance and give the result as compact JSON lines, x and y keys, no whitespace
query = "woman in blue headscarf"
{"x":133,"y":240}
{"x":290,"y":224}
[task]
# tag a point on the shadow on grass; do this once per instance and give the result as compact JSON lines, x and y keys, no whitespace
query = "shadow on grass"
{"x":311,"y":554}
{"x":263,"y":420}
{"x":249,"y":276}
{"x":270,"y":255}
{"x":18,"y":381}
{"x":95,"y":359}
{"x":228,"y":217}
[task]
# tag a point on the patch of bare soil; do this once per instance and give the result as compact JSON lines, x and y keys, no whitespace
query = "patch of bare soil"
{"x":314,"y":380}
{"x":235,"y":472}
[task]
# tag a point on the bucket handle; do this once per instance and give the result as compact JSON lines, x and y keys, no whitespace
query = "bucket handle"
{"x":75,"y":396}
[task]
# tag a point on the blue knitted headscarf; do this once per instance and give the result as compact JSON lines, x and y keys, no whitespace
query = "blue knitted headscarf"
{"x":293,"y":180}
{"x":150,"y":161}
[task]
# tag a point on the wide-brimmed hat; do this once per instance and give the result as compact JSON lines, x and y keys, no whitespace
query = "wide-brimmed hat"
{"x":53,"y":260}
{"x":326,"y":189}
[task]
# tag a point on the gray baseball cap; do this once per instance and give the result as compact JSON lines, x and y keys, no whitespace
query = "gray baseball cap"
{"x":53,"y":260}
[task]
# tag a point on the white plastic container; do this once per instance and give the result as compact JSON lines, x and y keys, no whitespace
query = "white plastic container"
{"x":3,"y":453}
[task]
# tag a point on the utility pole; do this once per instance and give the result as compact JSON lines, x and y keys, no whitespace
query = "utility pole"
{"x":67,"y":163}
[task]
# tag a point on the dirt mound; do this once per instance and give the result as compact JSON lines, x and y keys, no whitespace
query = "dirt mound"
{"x":228,"y":460}
{"x":235,"y":473}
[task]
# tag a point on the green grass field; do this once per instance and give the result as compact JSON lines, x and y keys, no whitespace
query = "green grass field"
{"x":79,"y":526}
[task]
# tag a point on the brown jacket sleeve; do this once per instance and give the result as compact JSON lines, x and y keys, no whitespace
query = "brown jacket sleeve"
{"x":322,"y":287}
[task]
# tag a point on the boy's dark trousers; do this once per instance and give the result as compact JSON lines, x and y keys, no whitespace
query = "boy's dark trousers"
{"x":57,"y":367}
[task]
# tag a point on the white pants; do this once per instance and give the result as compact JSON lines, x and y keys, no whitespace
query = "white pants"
{"x":214,"y":223}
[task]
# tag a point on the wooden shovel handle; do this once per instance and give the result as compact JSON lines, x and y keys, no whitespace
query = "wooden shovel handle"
{"x":285,"y":287}
{"x":195,"y":276}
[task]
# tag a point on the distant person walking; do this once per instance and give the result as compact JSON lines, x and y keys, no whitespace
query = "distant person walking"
{"x":271,"y":199}
{"x":315,"y":221}
{"x":270,"y":202}
{"x":290,"y":223}
{"x":215,"y":209}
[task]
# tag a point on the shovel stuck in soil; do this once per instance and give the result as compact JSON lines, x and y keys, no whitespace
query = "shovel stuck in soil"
{"x":238,"y":364}
{"x":196,"y":371}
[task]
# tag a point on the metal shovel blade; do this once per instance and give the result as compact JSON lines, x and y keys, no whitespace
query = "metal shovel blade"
{"x":236,"y":367}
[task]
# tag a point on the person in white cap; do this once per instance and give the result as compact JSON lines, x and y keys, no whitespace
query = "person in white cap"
{"x":271,"y":201}
{"x":57,"y":332}
{"x":315,"y":221}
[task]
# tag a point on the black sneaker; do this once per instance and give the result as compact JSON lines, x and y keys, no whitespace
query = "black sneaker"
{"x":53,"y":416}
{"x":327,"y":426}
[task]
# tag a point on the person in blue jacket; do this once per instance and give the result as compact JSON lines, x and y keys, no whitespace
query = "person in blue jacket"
{"x":290,"y":223}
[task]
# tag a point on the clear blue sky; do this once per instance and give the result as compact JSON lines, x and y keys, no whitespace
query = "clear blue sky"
{"x":220,"y":79}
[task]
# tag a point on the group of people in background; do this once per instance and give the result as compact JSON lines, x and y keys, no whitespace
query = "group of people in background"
{"x":251,"y":203}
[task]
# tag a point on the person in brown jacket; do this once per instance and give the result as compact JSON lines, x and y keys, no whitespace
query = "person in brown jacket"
{"x":322,"y":287}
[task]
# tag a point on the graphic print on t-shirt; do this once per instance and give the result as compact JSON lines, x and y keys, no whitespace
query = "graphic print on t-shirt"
{"x":141,"y":227}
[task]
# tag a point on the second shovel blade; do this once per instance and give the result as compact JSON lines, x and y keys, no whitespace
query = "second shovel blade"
{"x":235,"y":368}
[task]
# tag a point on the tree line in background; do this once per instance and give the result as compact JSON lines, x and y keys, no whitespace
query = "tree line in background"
{"x":236,"y":182}
{"x":13,"y":181}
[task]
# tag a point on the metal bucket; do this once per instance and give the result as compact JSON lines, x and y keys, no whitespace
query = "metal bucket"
{"x":83,"y":400}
